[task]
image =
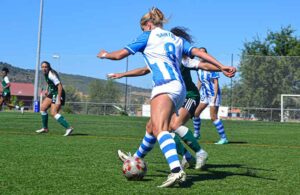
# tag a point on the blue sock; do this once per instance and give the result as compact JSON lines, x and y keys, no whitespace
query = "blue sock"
{"x":146,"y":145}
{"x":197,"y":124}
{"x":168,"y":148}
{"x":220,"y":128}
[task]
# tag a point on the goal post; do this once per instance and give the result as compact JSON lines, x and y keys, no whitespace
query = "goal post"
{"x":290,"y":108}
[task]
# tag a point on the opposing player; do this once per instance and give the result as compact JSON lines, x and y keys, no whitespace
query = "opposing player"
{"x":210,"y":96}
{"x":5,"y":97}
{"x":55,"y":98}
{"x":162,"y":52}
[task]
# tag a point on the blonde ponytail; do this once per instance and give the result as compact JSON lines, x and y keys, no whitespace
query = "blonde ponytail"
{"x":155,"y":16}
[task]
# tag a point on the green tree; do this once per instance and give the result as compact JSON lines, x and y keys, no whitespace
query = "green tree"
{"x":267,"y":69}
{"x":72,"y":96}
{"x":106,"y":93}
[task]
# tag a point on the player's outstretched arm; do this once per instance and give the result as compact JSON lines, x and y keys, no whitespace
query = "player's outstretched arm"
{"x":132,"y":73}
{"x":115,"y":55}
{"x":208,"y":66}
{"x":205,"y":56}
{"x":228,"y":71}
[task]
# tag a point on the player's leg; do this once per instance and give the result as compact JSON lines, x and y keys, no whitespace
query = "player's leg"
{"x":55,"y":108}
{"x":197,"y":119}
{"x":5,"y":98}
{"x":176,"y":121}
{"x":8,"y":102}
{"x":218,"y":124}
{"x":44,"y":107}
{"x":185,"y":134}
{"x":148,"y":142}
{"x":1,"y":102}
{"x":188,"y":138}
{"x":146,"y":145}
{"x":187,"y":159}
{"x":162,"y":109}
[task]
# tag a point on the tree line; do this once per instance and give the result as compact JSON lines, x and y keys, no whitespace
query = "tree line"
{"x":268,"y":68}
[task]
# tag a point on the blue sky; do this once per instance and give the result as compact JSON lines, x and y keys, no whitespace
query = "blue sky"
{"x":77,"y":29}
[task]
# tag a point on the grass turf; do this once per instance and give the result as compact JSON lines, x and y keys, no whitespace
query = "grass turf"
{"x":262,"y":158}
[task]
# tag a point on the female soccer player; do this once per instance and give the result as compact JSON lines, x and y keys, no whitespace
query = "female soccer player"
{"x":163,"y":52}
{"x":185,"y":112}
{"x":210,"y":95}
{"x":5,"y":97}
{"x":55,"y":98}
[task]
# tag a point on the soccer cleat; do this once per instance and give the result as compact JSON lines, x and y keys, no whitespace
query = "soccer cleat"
{"x":222,"y":141}
{"x":42,"y":130}
{"x":68,"y":131}
{"x":173,"y":179}
{"x":122,"y":156}
{"x":188,"y":163}
{"x":201,"y":160}
{"x":197,"y":135}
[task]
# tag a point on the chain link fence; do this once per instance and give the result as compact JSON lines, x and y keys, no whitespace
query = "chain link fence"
{"x":236,"y":113}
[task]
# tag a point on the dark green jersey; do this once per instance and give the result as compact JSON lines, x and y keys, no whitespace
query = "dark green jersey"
{"x":191,"y":89}
{"x":4,"y":83}
{"x":52,"y":81}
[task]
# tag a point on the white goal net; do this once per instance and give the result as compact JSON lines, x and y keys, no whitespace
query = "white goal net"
{"x":290,"y":108}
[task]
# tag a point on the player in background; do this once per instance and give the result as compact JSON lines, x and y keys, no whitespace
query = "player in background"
{"x":5,"y":97}
{"x":55,"y":98}
{"x":210,"y":93}
{"x":163,"y":53}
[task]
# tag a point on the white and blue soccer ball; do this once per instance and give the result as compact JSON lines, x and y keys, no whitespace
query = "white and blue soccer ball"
{"x":134,"y":168}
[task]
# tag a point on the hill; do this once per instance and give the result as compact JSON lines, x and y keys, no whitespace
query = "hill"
{"x":77,"y":81}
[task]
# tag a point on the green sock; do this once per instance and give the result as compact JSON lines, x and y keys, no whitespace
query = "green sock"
{"x":188,"y":138}
{"x":44,"y":119}
{"x":62,"y":121}
{"x":179,"y":146}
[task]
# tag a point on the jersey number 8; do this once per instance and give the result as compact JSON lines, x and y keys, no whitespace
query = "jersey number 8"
{"x":170,"y":50}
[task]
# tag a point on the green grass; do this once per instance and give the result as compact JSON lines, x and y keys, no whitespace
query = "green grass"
{"x":262,"y":158}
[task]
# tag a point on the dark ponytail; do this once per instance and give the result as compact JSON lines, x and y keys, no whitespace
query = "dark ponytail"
{"x":5,"y":70}
{"x":50,"y":68}
{"x":183,"y":33}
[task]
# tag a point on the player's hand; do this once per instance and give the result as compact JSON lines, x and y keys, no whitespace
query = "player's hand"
{"x":229,"y":71}
{"x":114,"y":75}
{"x":102,"y":54}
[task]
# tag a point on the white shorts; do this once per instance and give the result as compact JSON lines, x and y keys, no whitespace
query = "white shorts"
{"x":175,"y":90}
{"x":210,"y":100}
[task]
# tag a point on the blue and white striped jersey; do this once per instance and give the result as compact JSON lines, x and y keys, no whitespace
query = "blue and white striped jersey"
{"x":162,"y":52}
{"x":207,"y":85}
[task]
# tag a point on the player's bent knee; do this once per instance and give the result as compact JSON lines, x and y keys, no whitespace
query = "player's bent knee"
{"x":53,"y":114}
{"x":213,"y":119}
{"x":155,"y":132}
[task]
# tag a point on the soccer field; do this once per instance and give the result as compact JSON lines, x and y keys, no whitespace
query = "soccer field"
{"x":262,"y":158}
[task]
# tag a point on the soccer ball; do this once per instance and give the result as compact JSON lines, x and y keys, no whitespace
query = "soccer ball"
{"x":134,"y":168}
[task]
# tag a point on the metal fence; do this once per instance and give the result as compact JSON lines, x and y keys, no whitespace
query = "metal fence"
{"x":241,"y":113}
{"x":262,"y":114}
{"x":102,"y":108}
